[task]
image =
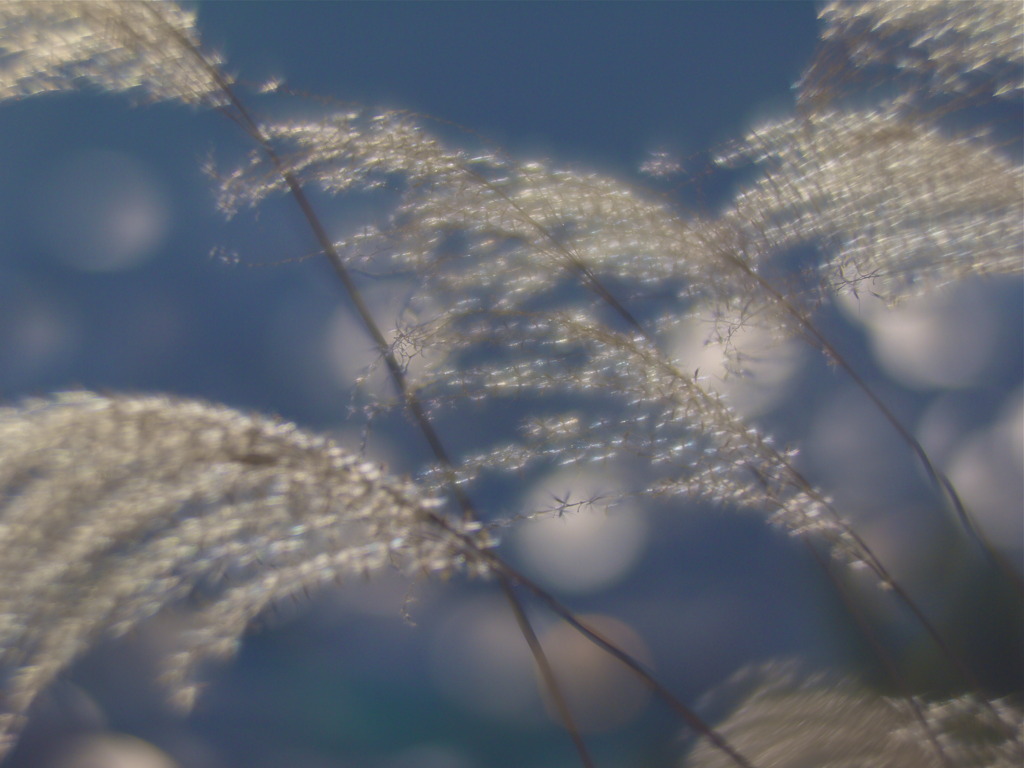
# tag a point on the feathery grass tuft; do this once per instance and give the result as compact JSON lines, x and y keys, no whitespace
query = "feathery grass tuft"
{"x":114,"y":508}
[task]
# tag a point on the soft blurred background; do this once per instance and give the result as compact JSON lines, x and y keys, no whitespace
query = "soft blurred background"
{"x":117,"y":274}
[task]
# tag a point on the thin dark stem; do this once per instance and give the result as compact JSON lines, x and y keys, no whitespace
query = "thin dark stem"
{"x":546,"y":672}
{"x":507,"y":575}
{"x":576,"y":265}
{"x":426,"y":427}
{"x":692,"y":719}
{"x":936,"y":476}
{"x":422,"y":420}
{"x":242,"y":116}
{"x":881,"y":652}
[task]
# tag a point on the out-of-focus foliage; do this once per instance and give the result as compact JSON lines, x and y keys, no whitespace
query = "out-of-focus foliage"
{"x":792,"y":720}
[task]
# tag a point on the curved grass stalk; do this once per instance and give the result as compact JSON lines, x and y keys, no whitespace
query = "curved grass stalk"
{"x":936,"y":477}
{"x":576,"y":265}
{"x":507,"y":575}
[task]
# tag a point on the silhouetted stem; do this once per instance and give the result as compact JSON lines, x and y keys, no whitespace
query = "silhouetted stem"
{"x":396,"y":373}
{"x":415,"y":407}
{"x":590,"y":280}
{"x":881,"y":653}
{"x":698,"y":724}
{"x":937,"y":478}
{"x":546,"y":671}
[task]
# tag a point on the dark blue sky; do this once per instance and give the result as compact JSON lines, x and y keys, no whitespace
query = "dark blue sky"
{"x":582,"y":81}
